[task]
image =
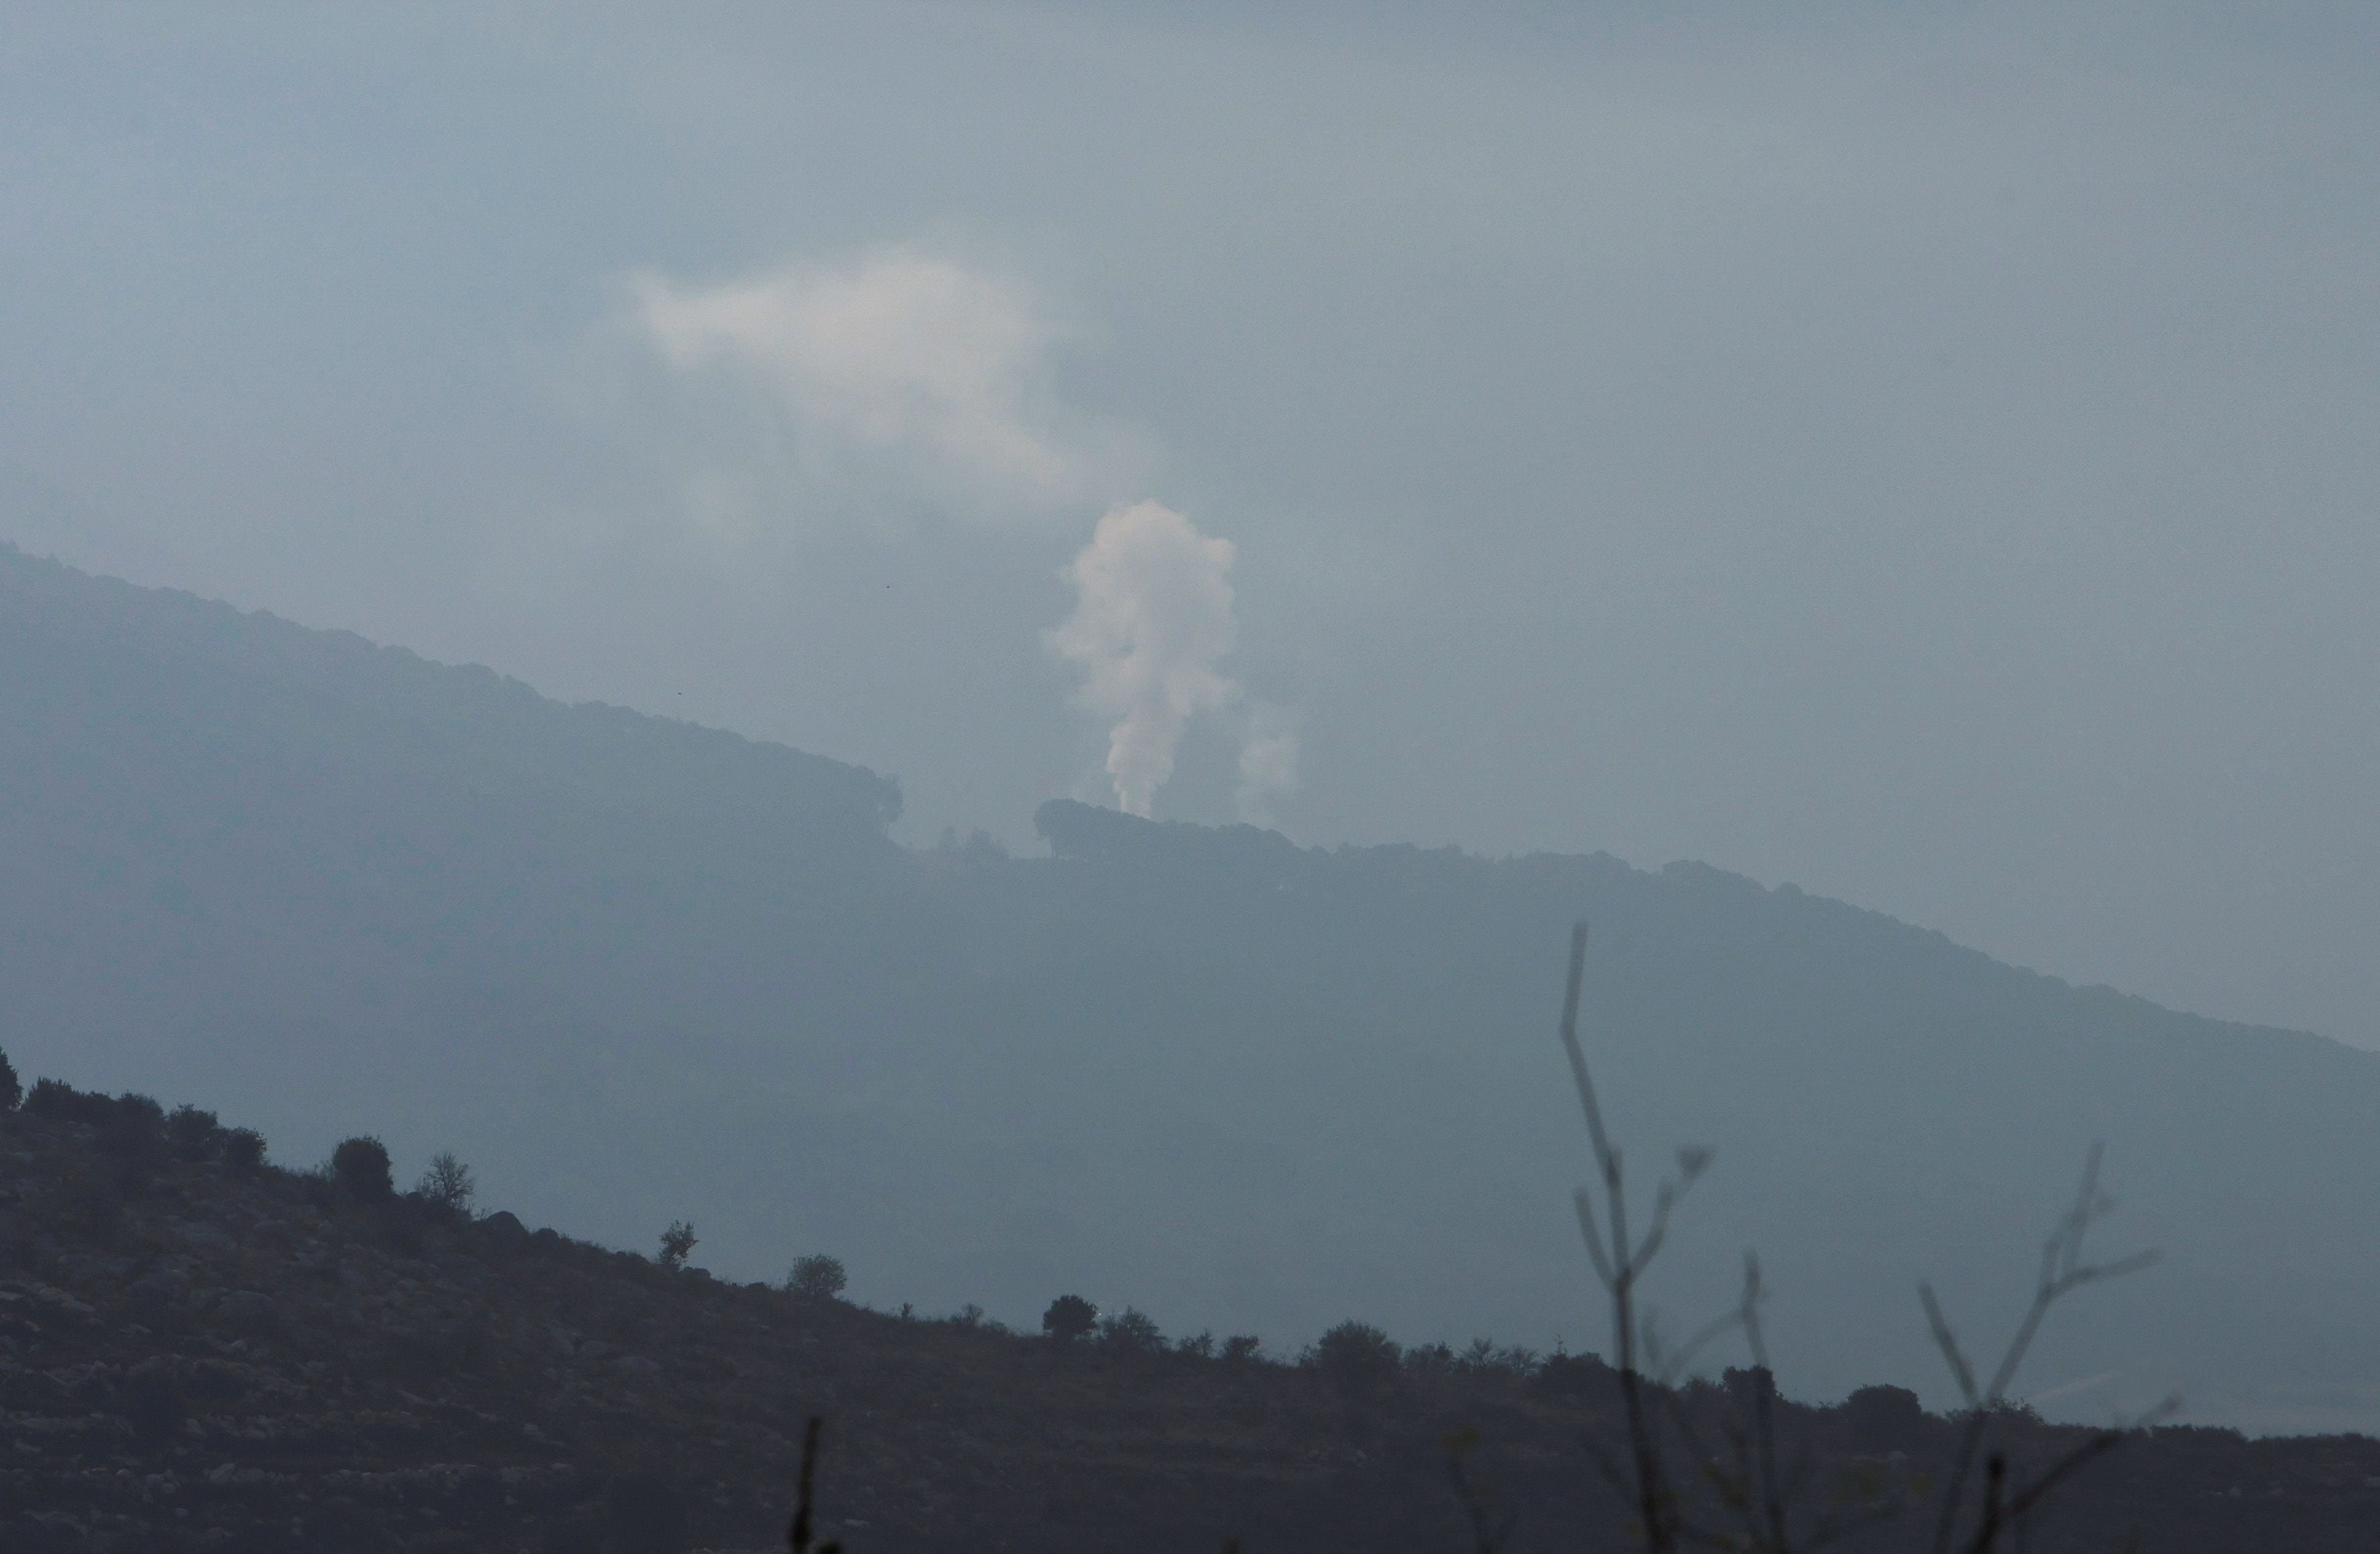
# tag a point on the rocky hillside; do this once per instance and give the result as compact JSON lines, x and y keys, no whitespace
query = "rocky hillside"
{"x":203,"y":1352}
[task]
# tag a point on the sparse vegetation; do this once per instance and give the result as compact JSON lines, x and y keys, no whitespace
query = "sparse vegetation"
{"x":361,"y":1167}
{"x":1132,"y":1331}
{"x":566,"y":1371}
{"x":12,"y":1090}
{"x":448,"y":1184}
{"x":1709,"y":1467}
{"x":677,"y":1242}
{"x":1356,"y":1358}
{"x":61,"y":1102}
{"x":818,"y":1277}
{"x":193,"y":1134}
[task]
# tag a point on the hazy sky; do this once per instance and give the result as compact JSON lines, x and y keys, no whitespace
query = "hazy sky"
{"x":1924,"y":453}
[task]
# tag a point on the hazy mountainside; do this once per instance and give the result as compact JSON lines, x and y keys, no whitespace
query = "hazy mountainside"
{"x":634,"y":969}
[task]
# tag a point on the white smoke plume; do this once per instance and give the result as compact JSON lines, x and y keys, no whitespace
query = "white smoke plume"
{"x":905,"y":374}
{"x":1267,"y":761}
{"x":907,"y":368}
{"x":1152,"y":619}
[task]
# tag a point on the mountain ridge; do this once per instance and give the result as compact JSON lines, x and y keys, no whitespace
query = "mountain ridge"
{"x":636,"y":970}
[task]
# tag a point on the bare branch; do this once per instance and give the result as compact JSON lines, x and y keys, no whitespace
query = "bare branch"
{"x":1578,"y":1058}
{"x":1593,"y":1235}
{"x":1948,"y":1342}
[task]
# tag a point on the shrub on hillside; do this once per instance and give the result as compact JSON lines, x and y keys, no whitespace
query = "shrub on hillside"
{"x":58,"y":1101}
{"x":1883,"y":1418}
{"x":1356,"y":1357}
{"x":676,"y":1242}
{"x":1069,"y":1318}
{"x":140,"y":1112}
{"x":243,"y":1148}
{"x":192,"y":1134}
{"x":1132,"y":1332}
{"x":12,"y":1089}
{"x":134,"y":1132}
{"x":818,"y":1277}
{"x":1572,"y":1376}
{"x":359,"y":1165}
{"x":1485,"y":1358}
{"x":1242,"y":1349}
{"x":447,"y":1183}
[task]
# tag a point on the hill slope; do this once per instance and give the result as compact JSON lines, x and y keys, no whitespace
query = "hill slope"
{"x":635,"y":970}
{"x":199,"y":1356}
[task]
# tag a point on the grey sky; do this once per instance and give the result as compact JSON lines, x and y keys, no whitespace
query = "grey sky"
{"x":1923,"y":453}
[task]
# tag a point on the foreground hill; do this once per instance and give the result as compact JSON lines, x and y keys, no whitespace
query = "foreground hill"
{"x":636,"y":970}
{"x":198,"y":1355}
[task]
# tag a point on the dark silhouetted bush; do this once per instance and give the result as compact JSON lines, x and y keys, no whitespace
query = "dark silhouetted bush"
{"x":1242,"y":1349}
{"x":133,"y":1130}
{"x":361,"y":1166}
{"x":1069,"y":1318}
{"x":1356,"y":1357}
{"x":12,"y":1089}
{"x":818,"y":1277}
{"x":1572,"y":1376}
{"x":192,"y":1134}
{"x":1132,"y":1332}
{"x":1484,"y":1358}
{"x":61,"y":1102}
{"x":1882,"y":1419}
{"x":243,"y":1147}
{"x":676,"y":1242}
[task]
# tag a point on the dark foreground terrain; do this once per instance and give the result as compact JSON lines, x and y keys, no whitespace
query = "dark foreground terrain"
{"x":200,"y":1355}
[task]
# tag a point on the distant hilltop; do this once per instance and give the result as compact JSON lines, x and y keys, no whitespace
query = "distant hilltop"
{"x":636,"y":969}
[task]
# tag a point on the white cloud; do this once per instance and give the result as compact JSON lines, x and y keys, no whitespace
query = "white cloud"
{"x":1153,"y":618}
{"x":901,"y":371}
{"x":904,"y":377}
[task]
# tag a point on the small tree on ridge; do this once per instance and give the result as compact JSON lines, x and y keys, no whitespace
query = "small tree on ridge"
{"x":1069,"y":1318}
{"x":816,"y":1277}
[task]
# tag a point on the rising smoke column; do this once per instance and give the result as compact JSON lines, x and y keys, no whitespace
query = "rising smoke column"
{"x":1269,"y":752}
{"x":1152,"y":618}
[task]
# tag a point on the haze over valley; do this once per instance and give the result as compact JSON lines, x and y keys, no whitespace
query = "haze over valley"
{"x":897,"y":713}
{"x":635,"y":969}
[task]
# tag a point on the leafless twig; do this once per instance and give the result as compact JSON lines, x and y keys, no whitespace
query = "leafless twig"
{"x":2062,"y":1272}
{"x":1759,"y":1490}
